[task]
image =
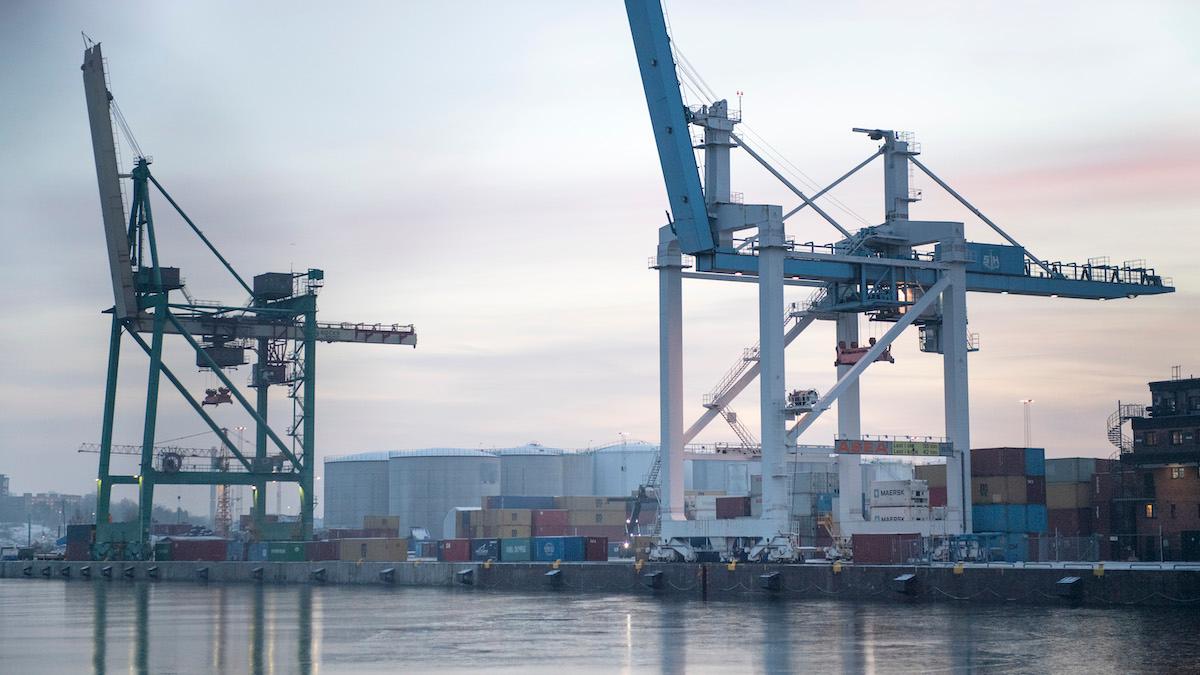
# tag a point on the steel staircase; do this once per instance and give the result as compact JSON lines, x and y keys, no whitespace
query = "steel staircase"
{"x":1116,"y":424}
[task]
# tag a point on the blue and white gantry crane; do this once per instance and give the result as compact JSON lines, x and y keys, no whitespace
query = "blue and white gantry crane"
{"x":903,"y":271}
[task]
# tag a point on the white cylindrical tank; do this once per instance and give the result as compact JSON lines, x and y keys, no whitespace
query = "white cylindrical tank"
{"x":355,"y":486}
{"x":620,"y":468}
{"x":531,"y":471}
{"x":579,"y":473}
{"x":424,"y":485}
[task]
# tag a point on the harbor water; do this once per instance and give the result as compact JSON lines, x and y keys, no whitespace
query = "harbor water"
{"x":54,"y":626}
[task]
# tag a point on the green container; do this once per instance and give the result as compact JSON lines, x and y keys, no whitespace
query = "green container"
{"x":281,"y":532}
{"x":516,"y":549}
{"x":285,"y":551}
{"x":162,"y":550}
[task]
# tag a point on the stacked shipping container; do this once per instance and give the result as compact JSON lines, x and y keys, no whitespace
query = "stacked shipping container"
{"x":1069,"y":495}
{"x":1008,"y":490}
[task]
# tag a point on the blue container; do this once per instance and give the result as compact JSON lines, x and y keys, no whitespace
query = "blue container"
{"x":519,"y":502}
{"x":235,"y":550}
{"x":256,"y":552}
{"x":1036,"y":519}
{"x":549,"y":549}
{"x":989,"y":518}
{"x":993,"y":258}
{"x":1015,"y":518}
{"x":1035,"y":462}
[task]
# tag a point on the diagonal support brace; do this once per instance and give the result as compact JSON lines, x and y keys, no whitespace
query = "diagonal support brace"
{"x":834,"y":184}
{"x":910,"y":315}
{"x":195,"y":406}
{"x":741,"y":383}
{"x":788,"y":184}
{"x":233,"y":390}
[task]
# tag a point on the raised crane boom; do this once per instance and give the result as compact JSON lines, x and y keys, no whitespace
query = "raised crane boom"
{"x":669,"y":118}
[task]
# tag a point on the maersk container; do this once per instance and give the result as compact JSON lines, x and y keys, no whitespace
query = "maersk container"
{"x":1036,"y":519}
{"x":989,"y":518}
{"x":1035,"y":462}
{"x":516,"y":550}
{"x":549,"y":549}
{"x":485,"y":549}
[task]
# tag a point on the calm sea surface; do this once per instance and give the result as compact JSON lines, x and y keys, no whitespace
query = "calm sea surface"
{"x":114,"y":627}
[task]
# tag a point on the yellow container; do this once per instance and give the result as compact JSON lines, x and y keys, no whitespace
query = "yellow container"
{"x":374,"y":550}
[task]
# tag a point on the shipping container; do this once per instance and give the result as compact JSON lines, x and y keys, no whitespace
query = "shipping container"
{"x":162,"y":551}
{"x":590,"y":504}
{"x":454,"y":550}
{"x":548,"y":518}
{"x":550,"y":530}
{"x":934,"y":475}
{"x":286,"y":551}
{"x":485,"y":549}
{"x":380,"y":549}
{"x":1015,"y":518}
{"x":1070,"y":522}
{"x":732,"y":507}
{"x":235,"y":551}
{"x":1035,"y":462}
{"x":992,"y":258}
{"x":937,"y":495}
{"x":595,"y":548}
{"x":1070,"y":470}
{"x":516,"y":550}
{"x":518,"y":502}
{"x":558,"y":548}
{"x":381,"y":523}
{"x":502,"y":532}
{"x":999,"y":490}
{"x":891,"y":514}
{"x":507,"y":517}
{"x":608,"y":517}
{"x":899,"y":493}
{"x":256,"y":551}
{"x":1035,"y":518}
{"x":1069,"y":495}
{"x":997,"y":462}
{"x":85,"y":533}
{"x":884,"y":549}
{"x":323,"y":550}
{"x":427,"y":549}
{"x":608,"y":531}
{"x":989,"y":518}
{"x":197,"y":548}
{"x":78,"y":550}
{"x":1035,"y":489}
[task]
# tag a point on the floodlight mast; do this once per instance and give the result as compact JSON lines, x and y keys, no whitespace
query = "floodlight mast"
{"x":879,"y":271}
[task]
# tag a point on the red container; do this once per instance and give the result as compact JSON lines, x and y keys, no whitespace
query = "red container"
{"x":1035,"y":489}
{"x":322,"y":550}
{"x":997,"y":462}
{"x":548,"y":519}
{"x":937,"y":496}
{"x":347,"y":533}
{"x":454,"y":550}
{"x":199,"y":549}
{"x":884,"y":549}
{"x":378,"y":533}
{"x":607,"y":531}
{"x":1070,"y":522}
{"x":550,"y":530}
{"x":732,"y":507}
{"x":595,"y":548}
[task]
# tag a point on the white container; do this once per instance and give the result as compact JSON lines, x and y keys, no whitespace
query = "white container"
{"x":890,"y":514}
{"x":899,"y":493}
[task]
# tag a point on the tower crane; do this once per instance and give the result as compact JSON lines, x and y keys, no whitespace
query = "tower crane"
{"x":903,"y":271}
{"x":277,"y":323}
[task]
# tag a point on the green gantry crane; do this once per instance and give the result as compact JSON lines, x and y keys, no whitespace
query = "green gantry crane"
{"x":278,"y":324}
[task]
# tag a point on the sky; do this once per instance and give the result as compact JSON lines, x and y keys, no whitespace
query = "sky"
{"x":486,"y":171}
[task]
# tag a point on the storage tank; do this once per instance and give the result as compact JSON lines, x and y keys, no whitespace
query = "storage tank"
{"x":531,"y":470}
{"x":424,"y":485}
{"x":620,"y":468}
{"x":355,"y":486}
{"x":579,"y":473}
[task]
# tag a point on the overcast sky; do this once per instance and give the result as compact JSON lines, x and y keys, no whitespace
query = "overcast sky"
{"x":486,"y":171}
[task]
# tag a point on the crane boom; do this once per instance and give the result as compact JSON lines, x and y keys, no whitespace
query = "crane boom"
{"x":108,"y":177}
{"x":669,"y":118}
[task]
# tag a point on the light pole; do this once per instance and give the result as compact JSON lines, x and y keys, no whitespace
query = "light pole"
{"x":1027,"y":402}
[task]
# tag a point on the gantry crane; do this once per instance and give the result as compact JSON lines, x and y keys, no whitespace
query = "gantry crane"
{"x":903,"y":271}
{"x":278,"y":323}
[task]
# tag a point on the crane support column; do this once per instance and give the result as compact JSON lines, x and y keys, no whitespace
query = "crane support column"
{"x":771,"y":253}
{"x":669,"y":264}
{"x":954,"y":371}
{"x":310,"y":438}
{"x":258,"y":495}
{"x":103,"y":482}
